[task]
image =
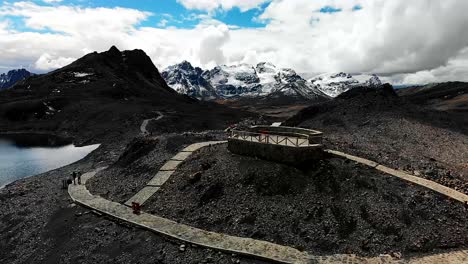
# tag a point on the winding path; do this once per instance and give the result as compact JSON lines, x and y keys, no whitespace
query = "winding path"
{"x":241,"y":245}
{"x":145,"y":122}
{"x":456,"y":195}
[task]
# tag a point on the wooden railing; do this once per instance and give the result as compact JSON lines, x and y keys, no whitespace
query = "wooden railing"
{"x":278,"y":138}
{"x":315,"y":137}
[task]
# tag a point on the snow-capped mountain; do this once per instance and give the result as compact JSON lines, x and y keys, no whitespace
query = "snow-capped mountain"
{"x":238,"y":81}
{"x":10,"y":78}
{"x":336,"y":84}
{"x":188,"y":80}
{"x":233,"y":80}
{"x":263,"y":79}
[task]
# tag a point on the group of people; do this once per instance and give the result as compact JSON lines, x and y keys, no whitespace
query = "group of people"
{"x":76,"y":175}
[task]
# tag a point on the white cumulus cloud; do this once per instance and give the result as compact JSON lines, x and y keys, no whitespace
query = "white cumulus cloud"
{"x":50,"y":62}
{"x":214,"y":37}
{"x":414,"y":41}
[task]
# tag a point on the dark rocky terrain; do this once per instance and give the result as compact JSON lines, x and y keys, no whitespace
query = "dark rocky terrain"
{"x":332,"y":206}
{"x":277,"y":107}
{"x":140,"y":161}
{"x":102,"y":97}
{"x":450,"y":96}
{"x":395,"y":131}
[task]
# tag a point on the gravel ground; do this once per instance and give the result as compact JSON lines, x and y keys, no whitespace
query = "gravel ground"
{"x":140,"y":161}
{"x":380,"y":126}
{"x":434,"y":153}
{"x":40,"y":224}
{"x":334,"y":206}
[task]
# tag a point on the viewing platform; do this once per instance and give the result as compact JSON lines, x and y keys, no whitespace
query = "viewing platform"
{"x":291,"y":145}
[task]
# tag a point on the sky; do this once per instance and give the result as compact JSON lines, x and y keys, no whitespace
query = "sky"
{"x":404,"y":42}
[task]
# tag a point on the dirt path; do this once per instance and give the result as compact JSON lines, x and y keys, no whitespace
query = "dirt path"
{"x":145,"y":122}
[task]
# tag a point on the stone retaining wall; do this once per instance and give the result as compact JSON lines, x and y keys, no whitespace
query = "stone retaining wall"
{"x":279,"y":153}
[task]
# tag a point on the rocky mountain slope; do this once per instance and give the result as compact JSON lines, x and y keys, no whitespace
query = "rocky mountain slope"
{"x":395,"y":131}
{"x":10,"y":78}
{"x":103,"y":95}
{"x":263,"y":79}
{"x":186,"y":79}
{"x":449,"y":96}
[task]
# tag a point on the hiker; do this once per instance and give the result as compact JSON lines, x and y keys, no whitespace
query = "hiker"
{"x":79,"y":177}
{"x":74,"y":177}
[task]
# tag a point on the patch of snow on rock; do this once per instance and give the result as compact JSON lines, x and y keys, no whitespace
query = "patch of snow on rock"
{"x":81,"y":74}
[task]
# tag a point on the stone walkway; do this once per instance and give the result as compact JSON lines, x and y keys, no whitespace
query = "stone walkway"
{"x":456,"y":195}
{"x":166,"y":171}
{"x":241,"y":245}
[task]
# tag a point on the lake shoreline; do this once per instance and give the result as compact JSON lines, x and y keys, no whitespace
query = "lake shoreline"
{"x":25,"y":154}
{"x":31,"y":139}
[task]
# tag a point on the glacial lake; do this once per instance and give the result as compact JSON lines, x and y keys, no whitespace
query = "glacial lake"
{"x":24,"y":158}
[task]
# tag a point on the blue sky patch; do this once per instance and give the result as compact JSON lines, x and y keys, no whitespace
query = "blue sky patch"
{"x":18,"y":24}
{"x":242,"y":19}
{"x":329,"y":9}
{"x":357,"y":7}
{"x":165,"y":13}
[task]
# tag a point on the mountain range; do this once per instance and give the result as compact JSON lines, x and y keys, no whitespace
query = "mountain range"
{"x":106,"y":93}
{"x":10,"y":78}
{"x":263,"y":79}
{"x":242,"y":80}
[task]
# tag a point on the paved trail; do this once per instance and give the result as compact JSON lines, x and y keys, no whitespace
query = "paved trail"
{"x":143,"y":129}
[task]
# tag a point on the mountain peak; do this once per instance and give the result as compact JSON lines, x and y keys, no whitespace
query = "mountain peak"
{"x":337,"y":83}
{"x":114,"y":50}
{"x":10,"y":78}
{"x":129,"y":65}
{"x":185,"y":65}
{"x":265,"y":67}
{"x":266,"y":64}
